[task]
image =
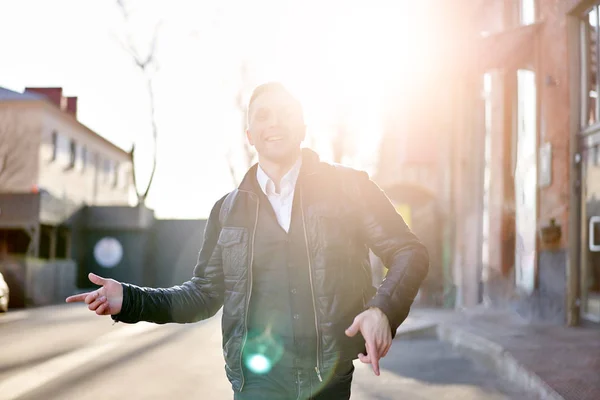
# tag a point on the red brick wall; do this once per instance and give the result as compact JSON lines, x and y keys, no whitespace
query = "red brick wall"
{"x":555,"y":110}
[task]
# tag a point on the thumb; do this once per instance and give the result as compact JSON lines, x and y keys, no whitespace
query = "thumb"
{"x":97,"y":279}
{"x":354,"y":328}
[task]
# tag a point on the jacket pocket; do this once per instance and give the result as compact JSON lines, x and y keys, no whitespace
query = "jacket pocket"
{"x":230,"y":236}
{"x":234,"y":245}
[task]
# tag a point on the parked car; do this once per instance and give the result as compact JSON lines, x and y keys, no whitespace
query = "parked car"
{"x":3,"y":294}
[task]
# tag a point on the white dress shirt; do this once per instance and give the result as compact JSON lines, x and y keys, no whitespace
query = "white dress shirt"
{"x":282,"y":201}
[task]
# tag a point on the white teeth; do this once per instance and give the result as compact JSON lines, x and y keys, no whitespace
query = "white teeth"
{"x":273,"y":138}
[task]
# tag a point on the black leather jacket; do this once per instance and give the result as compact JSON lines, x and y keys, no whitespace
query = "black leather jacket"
{"x":344,"y":214}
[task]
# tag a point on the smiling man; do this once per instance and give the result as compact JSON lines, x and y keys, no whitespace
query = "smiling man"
{"x":287,"y":256}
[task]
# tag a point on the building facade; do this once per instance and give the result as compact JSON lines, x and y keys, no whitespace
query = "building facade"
{"x":50,"y":166}
{"x":516,"y":155}
{"x":539,"y":220}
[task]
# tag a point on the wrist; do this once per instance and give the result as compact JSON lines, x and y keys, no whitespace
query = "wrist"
{"x":378,"y":311}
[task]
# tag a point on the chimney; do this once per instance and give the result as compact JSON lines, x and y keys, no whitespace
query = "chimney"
{"x":72,"y":106}
{"x":53,"y":94}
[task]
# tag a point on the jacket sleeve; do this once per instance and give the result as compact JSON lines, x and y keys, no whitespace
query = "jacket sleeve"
{"x":197,"y":299}
{"x":388,"y":236}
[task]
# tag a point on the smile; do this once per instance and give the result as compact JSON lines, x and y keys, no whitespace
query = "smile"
{"x":274,"y":138}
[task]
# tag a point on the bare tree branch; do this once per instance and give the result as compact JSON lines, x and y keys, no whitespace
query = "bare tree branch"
{"x":154,"y":137}
{"x":144,"y":64}
{"x":132,"y":158}
{"x":123,"y":8}
{"x":127,"y":47}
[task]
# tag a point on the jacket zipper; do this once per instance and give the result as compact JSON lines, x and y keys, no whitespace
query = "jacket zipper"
{"x":249,"y":291}
{"x":312,"y":289}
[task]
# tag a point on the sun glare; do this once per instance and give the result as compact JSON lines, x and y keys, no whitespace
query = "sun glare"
{"x":362,"y":55}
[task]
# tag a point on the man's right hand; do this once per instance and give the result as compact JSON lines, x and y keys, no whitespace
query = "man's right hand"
{"x":106,"y":300}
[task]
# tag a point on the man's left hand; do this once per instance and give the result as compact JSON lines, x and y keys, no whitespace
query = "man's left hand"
{"x":375,"y":328}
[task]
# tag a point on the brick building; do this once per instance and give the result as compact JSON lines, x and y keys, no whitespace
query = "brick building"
{"x":537,"y":64}
{"x":516,"y":160}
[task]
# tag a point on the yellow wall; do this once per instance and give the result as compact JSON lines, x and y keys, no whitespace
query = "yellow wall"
{"x":19,"y":143}
{"x":90,"y":184}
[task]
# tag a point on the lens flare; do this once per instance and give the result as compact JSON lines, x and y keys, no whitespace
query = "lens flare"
{"x":263,"y":351}
{"x":258,"y":364}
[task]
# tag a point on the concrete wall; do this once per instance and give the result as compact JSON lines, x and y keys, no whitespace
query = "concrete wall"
{"x":175,"y":246}
{"x":49,"y":282}
{"x":132,"y":268}
{"x":37,"y":282}
{"x":131,"y":226}
{"x":157,"y":253}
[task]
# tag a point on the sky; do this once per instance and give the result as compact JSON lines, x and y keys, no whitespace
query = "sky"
{"x":338,"y":57}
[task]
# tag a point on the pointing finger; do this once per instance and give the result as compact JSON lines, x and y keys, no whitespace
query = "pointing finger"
{"x":77,"y":297}
{"x":374,"y":356}
{"x":375,"y":364}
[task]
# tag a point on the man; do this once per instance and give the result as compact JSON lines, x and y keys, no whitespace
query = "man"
{"x":287,"y":256}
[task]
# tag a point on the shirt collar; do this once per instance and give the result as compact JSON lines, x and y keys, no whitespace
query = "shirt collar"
{"x":288,"y":182}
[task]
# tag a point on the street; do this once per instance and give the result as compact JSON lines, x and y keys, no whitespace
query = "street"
{"x":67,"y":352}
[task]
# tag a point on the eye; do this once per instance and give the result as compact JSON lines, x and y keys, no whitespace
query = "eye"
{"x":261,"y":115}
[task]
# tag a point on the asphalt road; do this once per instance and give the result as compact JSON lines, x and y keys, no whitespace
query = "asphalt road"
{"x":66,"y":352}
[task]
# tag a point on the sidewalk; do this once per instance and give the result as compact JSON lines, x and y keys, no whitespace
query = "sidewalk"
{"x":555,"y":361}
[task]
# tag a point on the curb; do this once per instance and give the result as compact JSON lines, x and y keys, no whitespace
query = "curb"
{"x":477,"y":347}
{"x":417,"y":331}
{"x":497,"y":357}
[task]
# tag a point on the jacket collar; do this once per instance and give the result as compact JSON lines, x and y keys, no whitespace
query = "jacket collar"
{"x":310,"y":163}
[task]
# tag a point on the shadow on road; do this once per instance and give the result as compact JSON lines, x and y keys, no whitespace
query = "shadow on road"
{"x":52,"y":390}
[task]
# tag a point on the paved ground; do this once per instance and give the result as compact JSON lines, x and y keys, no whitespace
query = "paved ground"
{"x":66,"y":352}
{"x":429,"y":369}
{"x":566,"y":359}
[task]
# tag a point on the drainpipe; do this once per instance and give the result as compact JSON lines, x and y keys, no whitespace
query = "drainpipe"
{"x":574,"y":246}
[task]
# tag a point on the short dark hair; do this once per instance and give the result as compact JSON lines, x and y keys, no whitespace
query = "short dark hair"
{"x":270,"y":87}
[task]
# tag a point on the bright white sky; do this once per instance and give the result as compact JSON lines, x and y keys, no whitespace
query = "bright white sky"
{"x":337,"y":56}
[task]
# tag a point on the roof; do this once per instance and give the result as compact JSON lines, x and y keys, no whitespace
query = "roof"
{"x":9,"y":95}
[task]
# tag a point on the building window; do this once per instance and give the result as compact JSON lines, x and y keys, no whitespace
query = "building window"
{"x":62,"y":150}
{"x":527,"y":12}
{"x":485,"y":250}
{"x":54,"y":143}
{"x":589,"y":75}
{"x":115,"y":175}
{"x":106,"y":170}
{"x":84,"y":157}
{"x":72,"y":154}
{"x":526,"y":181}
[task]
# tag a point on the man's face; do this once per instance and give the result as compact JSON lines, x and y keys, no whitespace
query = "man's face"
{"x":276,"y":126}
